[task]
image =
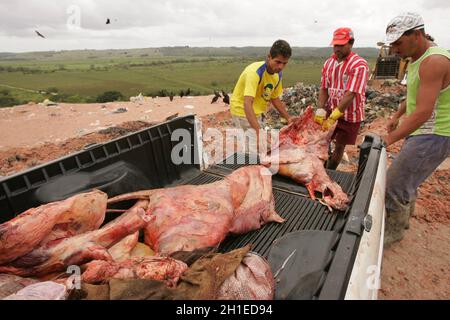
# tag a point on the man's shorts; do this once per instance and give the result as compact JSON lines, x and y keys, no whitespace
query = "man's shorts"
{"x":242,"y":123}
{"x":346,"y":132}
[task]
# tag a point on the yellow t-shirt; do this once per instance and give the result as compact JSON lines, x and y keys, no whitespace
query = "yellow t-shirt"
{"x":256,"y":82}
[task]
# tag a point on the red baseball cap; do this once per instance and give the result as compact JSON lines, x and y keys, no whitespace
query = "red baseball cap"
{"x":342,"y":36}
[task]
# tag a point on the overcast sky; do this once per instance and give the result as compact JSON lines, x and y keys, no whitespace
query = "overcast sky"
{"x":80,"y":24}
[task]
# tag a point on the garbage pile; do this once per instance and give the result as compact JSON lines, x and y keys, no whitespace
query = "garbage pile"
{"x":297,"y":99}
{"x":380,"y":102}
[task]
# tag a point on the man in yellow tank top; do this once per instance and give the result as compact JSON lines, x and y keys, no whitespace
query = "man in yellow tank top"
{"x":259,"y":84}
{"x":426,"y":127}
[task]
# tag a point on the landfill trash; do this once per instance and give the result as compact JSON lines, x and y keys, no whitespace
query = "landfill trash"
{"x":379,"y":103}
{"x":138,"y":98}
{"x":296,"y":99}
{"x":189,"y":107}
{"x":120,"y":110}
{"x":47,"y":103}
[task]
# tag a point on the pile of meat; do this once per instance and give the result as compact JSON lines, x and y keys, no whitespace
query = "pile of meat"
{"x":44,"y":242}
{"x":300,"y":155}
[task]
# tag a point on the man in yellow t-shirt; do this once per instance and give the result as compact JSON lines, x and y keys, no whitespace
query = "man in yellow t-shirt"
{"x":259,"y":84}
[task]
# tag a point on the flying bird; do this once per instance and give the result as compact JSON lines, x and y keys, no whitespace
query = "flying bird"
{"x":226,"y":97}
{"x":39,"y":34}
{"x":108,"y":21}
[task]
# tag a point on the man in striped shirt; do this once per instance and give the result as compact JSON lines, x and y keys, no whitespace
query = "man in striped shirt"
{"x":342,"y":93}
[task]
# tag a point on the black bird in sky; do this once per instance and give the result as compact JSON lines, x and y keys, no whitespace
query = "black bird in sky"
{"x":39,"y":34}
{"x":108,"y":21}
{"x":226,"y":97}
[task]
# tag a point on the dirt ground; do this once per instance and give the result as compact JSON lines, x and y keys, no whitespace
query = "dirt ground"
{"x":418,"y":267}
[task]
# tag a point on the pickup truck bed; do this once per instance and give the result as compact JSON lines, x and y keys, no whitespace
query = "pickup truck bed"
{"x":328,"y":241}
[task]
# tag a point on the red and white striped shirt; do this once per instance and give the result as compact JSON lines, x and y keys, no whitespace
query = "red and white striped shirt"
{"x":348,"y":75}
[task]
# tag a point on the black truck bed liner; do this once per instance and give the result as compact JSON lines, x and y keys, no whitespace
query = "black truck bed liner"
{"x":141,"y":160}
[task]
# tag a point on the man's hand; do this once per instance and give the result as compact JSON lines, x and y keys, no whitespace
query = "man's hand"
{"x":386,"y":141}
{"x":335,"y":115}
{"x":290,"y":120}
{"x":392,"y":124}
{"x":320,"y":115}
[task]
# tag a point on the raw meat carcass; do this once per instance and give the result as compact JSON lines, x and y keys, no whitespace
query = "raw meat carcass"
{"x":47,"y":290}
{"x":252,"y":280}
{"x":10,"y":284}
{"x":78,"y":249}
{"x":122,"y":250}
{"x":44,"y":224}
{"x":149,"y":268}
{"x":302,"y":151}
{"x":190,"y":217}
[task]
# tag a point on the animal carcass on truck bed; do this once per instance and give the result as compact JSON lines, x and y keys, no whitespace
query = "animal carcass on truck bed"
{"x":338,"y":255}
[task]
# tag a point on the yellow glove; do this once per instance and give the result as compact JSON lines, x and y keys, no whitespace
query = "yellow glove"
{"x":320,"y":116}
{"x":335,"y":115}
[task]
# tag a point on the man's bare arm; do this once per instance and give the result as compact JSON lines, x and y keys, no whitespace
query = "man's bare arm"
{"x":432,"y":72}
{"x":392,"y":123}
{"x":281,"y":107}
{"x":323,"y":98}
{"x":250,"y":113}
{"x":346,"y":101}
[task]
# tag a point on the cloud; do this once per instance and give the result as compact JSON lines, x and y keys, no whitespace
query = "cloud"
{"x":79,"y":24}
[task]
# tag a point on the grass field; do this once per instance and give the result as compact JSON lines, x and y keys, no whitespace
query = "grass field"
{"x":82,"y":77}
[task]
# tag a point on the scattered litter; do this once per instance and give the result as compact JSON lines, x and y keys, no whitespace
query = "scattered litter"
{"x":120,"y":110}
{"x":139,"y":98}
{"x":47,"y":103}
{"x":189,"y":107}
{"x":148,"y":111}
{"x":96,"y":123}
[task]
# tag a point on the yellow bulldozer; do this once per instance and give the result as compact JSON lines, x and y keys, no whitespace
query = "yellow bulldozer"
{"x":389,"y":65}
